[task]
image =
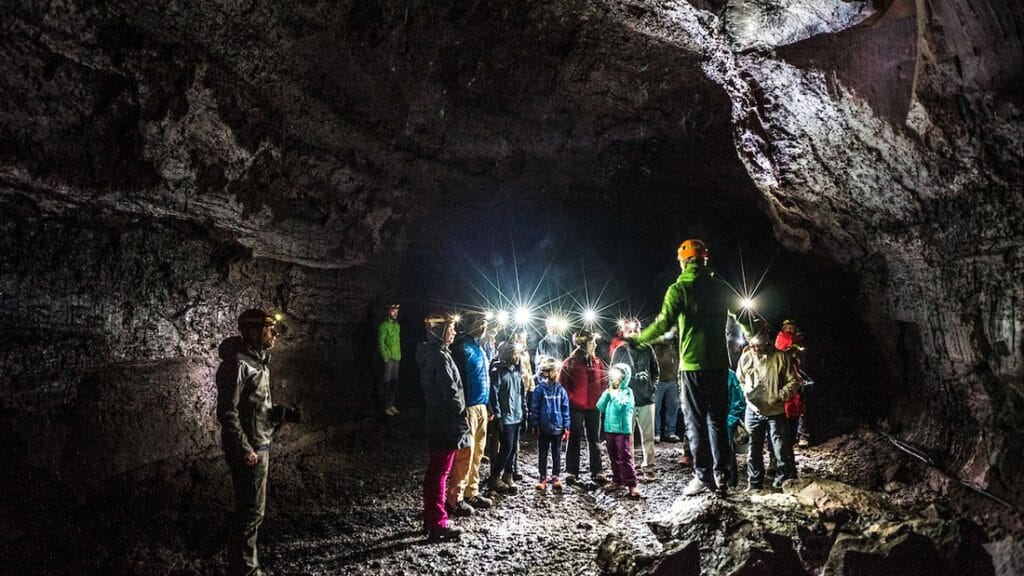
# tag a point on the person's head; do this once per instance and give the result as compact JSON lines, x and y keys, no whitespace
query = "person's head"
{"x":477,"y":323}
{"x":521,"y":337}
{"x":618,"y":376}
{"x":393,"y":311}
{"x":629,"y":327}
{"x":258,"y":328}
{"x":760,"y":338}
{"x":585,"y":342}
{"x":440,"y":328}
{"x":548,"y":368}
{"x":554,"y":325}
{"x":692,"y":251}
{"x":510,"y":351}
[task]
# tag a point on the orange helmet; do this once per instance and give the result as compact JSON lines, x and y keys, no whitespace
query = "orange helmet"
{"x":692,"y":249}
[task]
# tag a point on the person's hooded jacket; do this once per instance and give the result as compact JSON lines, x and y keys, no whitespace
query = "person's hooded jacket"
{"x":737,"y":403}
{"x":645,"y":371}
{"x":698,"y":303}
{"x":244,"y":405}
{"x":473,"y":363}
{"x":508,"y":395}
{"x":584,"y":378}
{"x":767,"y":380}
{"x":445,"y":417}
{"x":549,"y":407}
{"x":389,"y":340}
{"x":618,"y":405}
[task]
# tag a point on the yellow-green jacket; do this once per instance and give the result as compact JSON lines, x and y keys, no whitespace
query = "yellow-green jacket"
{"x":388,"y":340}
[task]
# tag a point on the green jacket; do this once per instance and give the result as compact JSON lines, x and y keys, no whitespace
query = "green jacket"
{"x":699,"y":302}
{"x":388,"y":340}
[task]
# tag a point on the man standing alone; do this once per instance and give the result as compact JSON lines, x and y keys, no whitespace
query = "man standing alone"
{"x":698,"y":304}
{"x":390,"y":349}
{"x":248,"y":419}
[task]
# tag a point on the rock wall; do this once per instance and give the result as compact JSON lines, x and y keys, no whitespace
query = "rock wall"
{"x":896,"y":148}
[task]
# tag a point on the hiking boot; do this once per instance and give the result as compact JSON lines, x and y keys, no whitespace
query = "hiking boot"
{"x":448,"y":532}
{"x":721,"y":483}
{"x":694,"y":487}
{"x":570,"y":478}
{"x":657,"y":439}
{"x":599,"y":478}
{"x":650,"y":476}
{"x":510,"y":483}
{"x":612,"y":487}
{"x":499,"y":486}
{"x":459,"y":509}
{"x":674,"y":439}
{"x":556,"y":484}
{"x":541,"y":486}
{"x":479,"y":502}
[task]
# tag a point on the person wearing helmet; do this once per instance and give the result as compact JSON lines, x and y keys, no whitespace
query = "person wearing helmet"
{"x":584,"y":377}
{"x":645,"y":374}
{"x":698,"y":305}
{"x":248,"y":419}
{"x":390,"y":349}
{"x":445,"y":422}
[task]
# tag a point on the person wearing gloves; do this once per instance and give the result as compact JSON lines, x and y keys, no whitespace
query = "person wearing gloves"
{"x":445,"y":421}
{"x":768,"y":381}
{"x":508,"y":404}
{"x":549,"y":422}
{"x":617,"y":404}
{"x":643,"y":383}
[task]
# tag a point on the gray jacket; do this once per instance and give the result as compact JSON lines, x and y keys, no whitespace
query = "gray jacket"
{"x":243,"y":399}
{"x":767,"y":381}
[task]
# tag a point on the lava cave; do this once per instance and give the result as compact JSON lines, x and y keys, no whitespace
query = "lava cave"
{"x":855,"y":165}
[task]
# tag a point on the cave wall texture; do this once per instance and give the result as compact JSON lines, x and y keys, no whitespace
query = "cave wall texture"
{"x":164,"y":165}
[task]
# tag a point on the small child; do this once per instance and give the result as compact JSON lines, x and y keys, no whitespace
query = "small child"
{"x":549,"y":421}
{"x":617,"y":405}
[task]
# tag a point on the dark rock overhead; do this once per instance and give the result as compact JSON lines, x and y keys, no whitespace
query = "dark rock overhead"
{"x":164,"y":165}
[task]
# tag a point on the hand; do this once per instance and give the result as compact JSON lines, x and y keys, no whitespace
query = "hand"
{"x":251,"y":459}
{"x":565,"y":435}
{"x":490,"y":415}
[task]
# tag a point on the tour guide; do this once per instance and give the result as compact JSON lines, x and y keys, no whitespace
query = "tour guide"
{"x":699,"y":303}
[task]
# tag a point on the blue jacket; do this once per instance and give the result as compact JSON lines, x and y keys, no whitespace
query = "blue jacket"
{"x":549,"y":407}
{"x":508,"y":395}
{"x":472,"y":361}
{"x":737,"y":403}
{"x":618,"y":406}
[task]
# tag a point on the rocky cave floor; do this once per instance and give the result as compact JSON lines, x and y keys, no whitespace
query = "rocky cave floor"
{"x":348,"y":502}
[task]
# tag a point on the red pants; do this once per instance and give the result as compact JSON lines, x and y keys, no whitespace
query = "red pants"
{"x":620,"y":452}
{"x":439,"y":466}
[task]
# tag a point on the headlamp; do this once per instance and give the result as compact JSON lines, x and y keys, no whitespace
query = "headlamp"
{"x":502,"y":317}
{"x":522,"y":315}
{"x":589,"y":316}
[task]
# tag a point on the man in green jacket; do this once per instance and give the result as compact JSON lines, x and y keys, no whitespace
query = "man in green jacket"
{"x":698,"y":305}
{"x":390,"y":349}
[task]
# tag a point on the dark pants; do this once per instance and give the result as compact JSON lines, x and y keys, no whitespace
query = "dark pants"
{"x":620,"y":453}
{"x":777,"y":429}
{"x":389,"y":383}
{"x":435,"y":485}
{"x":552,"y":442}
{"x":706,"y":406}
{"x":508,"y":439}
{"x":588,"y":421}
{"x":250,"y":483}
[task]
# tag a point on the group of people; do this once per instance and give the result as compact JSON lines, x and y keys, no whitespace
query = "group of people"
{"x":469,"y":382}
{"x":480,"y":395}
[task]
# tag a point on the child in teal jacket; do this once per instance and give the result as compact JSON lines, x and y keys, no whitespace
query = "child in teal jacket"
{"x":617,"y":404}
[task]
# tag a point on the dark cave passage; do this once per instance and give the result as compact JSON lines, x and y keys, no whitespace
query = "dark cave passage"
{"x":164,"y":167}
